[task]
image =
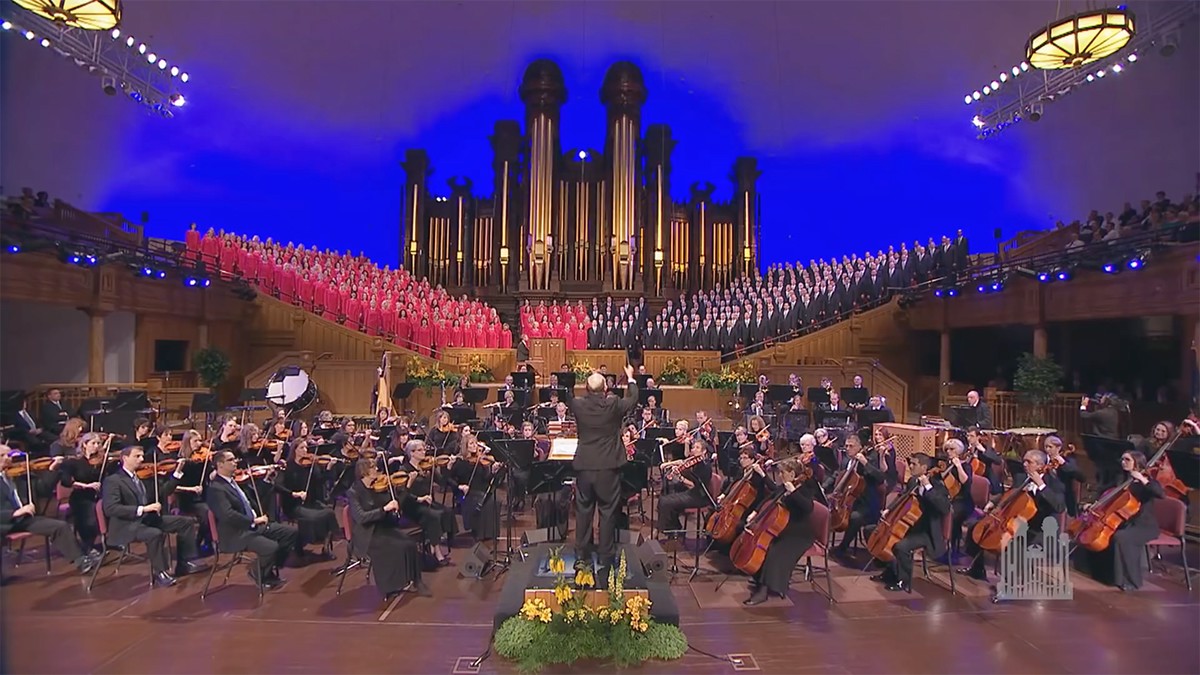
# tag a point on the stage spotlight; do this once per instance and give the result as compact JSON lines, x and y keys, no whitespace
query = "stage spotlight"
{"x":197,"y":282}
{"x":978,"y":122}
{"x":109,"y":85}
{"x":997,"y":286}
{"x":129,"y":41}
{"x":1132,"y":58}
{"x":983,"y":288}
{"x":6,"y":25}
{"x":142,"y":48}
{"x":976,"y":95}
{"x":1117,"y":68}
{"x":151,"y":57}
{"x":1136,"y":263}
{"x":45,"y":42}
{"x":184,"y":77}
{"x":967,"y":99}
{"x":582,"y":155}
{"x":937,"y":293}
{"x":162,"y":64}
{"x":987,"y":91}
{"x":1063,"y":275}
{"x":178,"y":100}
{"x":1110,"y":268}
{"x":116,"y":33}
{"x":13,"y":248}
{"x":174,"y":71}
{"x":952,"y":292}
{"x":1044,"y":277}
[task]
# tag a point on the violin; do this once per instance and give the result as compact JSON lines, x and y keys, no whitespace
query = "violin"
{"x":283,"y":435}
{"x":319,"y":460}
{"x":31,"y":465}
{"x":749,"y":550}
{"x":162,"y":467}
{"x":256,"y":471}
{"x":171,"y":446}
{"x":269,"y":444}
{"x":429,"y":463}
{"x":100,"y":458}
{"x":676,"y":468}
{"x":201,"y":454}
{"x":385,"y":482}
{"x":352,"y":452}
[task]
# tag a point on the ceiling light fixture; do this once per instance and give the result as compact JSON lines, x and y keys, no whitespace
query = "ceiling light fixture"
{"x":1080,"y":39}
{"x":85,"y":14}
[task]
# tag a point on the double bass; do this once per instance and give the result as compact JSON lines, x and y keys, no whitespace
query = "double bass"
{"x":749,"y":550}
{"x":724,"y":522}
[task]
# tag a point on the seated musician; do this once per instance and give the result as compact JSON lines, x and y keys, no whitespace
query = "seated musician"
{"x":648,"y":421}
{"x":241,"y":528}
{"x":677,"y":447}
{"x":878,"y":469}
{"x":1048,"y":494}
{"x":301,"y":487}
{"x":962,"y":506}
{"x":797,"y":403}
{"x":1066,"y":470}
{"x":132,"y":516}
{"x":706,"y":428}
{"x":280,"y":428}
{"x":926,"y":533}
{"x":749,"y":466}
{"x":18,"y":512}
{"x":442,"y":439}
{"x":438,"y":522}
{"x":688,"y":488}
{"x":1121,"y":563}
{"x":807,"y":454}
{"x":763,"y":446}
{"x":560,"y":413}
{"x":981,"y":448}
{"x":395,"y":558}
{"x":758,"y":407}
{"x":80,"y":474}
{"x":473,"y":472}
{"x":799,"y":490}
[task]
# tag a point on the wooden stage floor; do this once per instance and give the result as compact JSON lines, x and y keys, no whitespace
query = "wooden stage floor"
{"x":50,"y":625}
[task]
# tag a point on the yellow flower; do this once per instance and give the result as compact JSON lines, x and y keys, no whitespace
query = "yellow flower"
{"x":562,"y":593}
{"x":584,"y":578}
{"x":535,"y":609}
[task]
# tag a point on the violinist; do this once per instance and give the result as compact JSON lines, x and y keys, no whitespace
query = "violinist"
{"x":758,"y":407}
{"x":761,"y":436}
{"x":280,"y":428}
{"x":926,"y":533}
{"x":251,"y":451}
{"x":1048,"y":494}
{"x":228,"y":434}
{"x":473,"y":472}
{"x":704,"y":427}
{"x":18,"y":512}
{"x":301,"y":486}
{"x":677,"y":447}
{"x":984,"y":452}
{"x":347,"y":435}
{"x":395,"y":558}
{"x":796,"y":494}
{"x":143,"y":432}
{"x":437,"y":522}
{"x":689,"y":488}
{"x":68,"y":438}
{"x":134,"y":514}
{"x":649,"y":421}
{"x":1063,"y":466}
{"x":443,"y":438}
{"x":1121,"y":563}
{"x":243,"y":528}
{"x":81,"y":474}
{"x":879,"y":471}
{"x":808,"y":457}
{"x":189,"y":498}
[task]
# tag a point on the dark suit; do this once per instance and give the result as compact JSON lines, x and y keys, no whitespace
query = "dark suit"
{"x":271,"y":542}
{"x":1102,"y":422}
{"x":122,"y":496}
{"x":52,"y":416}
{"x":983,"y":415}
{"x":14,"y":495}
{"x":522,"y":351}
{"x":599,"y":457}
{"x":926,"y":533}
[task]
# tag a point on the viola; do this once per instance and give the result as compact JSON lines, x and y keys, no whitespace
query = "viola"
{"x":749,"y":550}
{"x":723,"y":524}
{"x":1000,"y":524}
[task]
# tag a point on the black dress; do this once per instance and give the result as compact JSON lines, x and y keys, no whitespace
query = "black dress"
{"x":395,"y":557}
{"x":83,"y":500}
{"x":480,"y":510}
{"x":787,"y":548}
{"x":313,"y":518}
{"x":437,"y":521}
{"x":1121,"y":563}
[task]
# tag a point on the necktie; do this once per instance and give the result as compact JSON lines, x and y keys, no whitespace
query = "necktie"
{"x":140,"y":490}
{"x":245,"y":502}
{"x":28,"y":420}
{"x":13,"y":488}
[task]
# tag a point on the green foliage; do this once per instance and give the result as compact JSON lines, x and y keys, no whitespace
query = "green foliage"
{"x":212,"y":366}
{"x":673,"y":373}
{"x":1037,"y":380}
{"x":534,"y":645}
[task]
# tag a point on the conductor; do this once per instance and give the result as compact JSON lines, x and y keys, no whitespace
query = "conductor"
{"x":599,"y":457}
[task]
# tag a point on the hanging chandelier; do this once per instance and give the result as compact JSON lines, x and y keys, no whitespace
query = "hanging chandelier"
{"x":1080,"y":39}
{"x":84,"y":14}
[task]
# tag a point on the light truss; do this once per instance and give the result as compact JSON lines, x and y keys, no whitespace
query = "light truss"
{"x":121,"y":62}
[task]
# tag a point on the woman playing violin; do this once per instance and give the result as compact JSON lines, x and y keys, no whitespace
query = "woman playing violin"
{"x":878,"y":469}
{"x":926,"y":533}
{"x":437,"y":522}
{"x":280,"y":428}
{"x":189,"y":497}
{"x":68,"y":438}
{"x":761,"y":436}
{"x":1121,"y":563}
{"x":797,"y":492}
{"x":251,"y":453}
{"x":80,"y":473}
{"x":473,"y":472}
{"x":689,"y":488}
{"x":395,"y":558}
{"x":443,"y":438}
{"x":301,"y":486}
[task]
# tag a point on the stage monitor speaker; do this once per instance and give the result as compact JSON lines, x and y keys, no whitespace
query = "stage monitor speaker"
{"x":631,"y":537}
{"x":654,"y":558}
{"x":541,"y":535}
{"x":476,"y":562}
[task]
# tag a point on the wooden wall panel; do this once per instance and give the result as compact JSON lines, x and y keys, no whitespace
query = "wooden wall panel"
{"x":501,"y":361}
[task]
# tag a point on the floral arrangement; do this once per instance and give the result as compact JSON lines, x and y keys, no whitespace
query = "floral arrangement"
{"x":426,"y":374}
{"x":477,"y":369}
{"x":729,"y":377}
{"x":619,"y":630}
{"x":581,"y":368}
{"x":673,"y":373}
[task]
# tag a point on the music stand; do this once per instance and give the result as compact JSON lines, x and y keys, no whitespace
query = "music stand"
{"x":515,"y":454}
{"x":635,"y":477}
{"x":855,"y":395}
{"x":566,"y":379}
{"x":781,"y":393}
{"x":836,"y":418}
{"x":131,"y":401}
{"x":402,"y":391}
{"x":474,"y":395}
{"x":641,"y":380}
{"x":828,"y":457}
{"x":727,"y":453}
{"x":659,"y":432}
{"x":547,"y":478}
{"x":459,"y":415}
{"x":646,"y":450}
{"x":817,"y":395}
{"x":1105,"y":454}
{"x":645,"y":394}
{"x":522,"y":380}
{"x":873,"y":417}
{"x":544,"y":394}
{"x":747,"y":390}
{"x":253,"y":394}
{"x":961,"y":416}
{"x":795,"y":424}
{"x":520,"y":396}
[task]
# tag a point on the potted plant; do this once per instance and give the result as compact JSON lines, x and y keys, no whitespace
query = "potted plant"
{"x":1036,"y":382}
{"x":673,"y":373}
{"x":211,"y":366}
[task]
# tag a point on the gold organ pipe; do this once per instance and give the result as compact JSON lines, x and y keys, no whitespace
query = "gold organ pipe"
{"x":458,"y":266}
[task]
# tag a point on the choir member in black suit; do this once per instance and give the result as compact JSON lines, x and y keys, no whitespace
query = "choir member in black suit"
{"x":243,"y":528}
{"x":301,"y":498}
{"x":797,"y":493}
{"x":473,"y":472}
{"x":395,"y":558}
{"x":437,"y":522}
{"x":879,"y":471}
{"x":134,"y":514}
{"x":80,"y":473}
{"x":926,"y":533}
{"x":689,"y":488}
{"x":1049,"y":496}
{"x":1121,"y":563}
{"x":18,"y":512}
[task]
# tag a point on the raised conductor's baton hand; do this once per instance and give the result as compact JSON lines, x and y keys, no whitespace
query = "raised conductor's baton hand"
{"x":628,"y":372}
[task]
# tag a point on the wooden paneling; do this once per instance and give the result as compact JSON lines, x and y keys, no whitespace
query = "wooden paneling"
{"x":693,"y":362}
{"x":500,"y":361}
{"x":547,"y":354}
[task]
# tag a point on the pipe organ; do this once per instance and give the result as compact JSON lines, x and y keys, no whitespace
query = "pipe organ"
{"x":583,"y":221}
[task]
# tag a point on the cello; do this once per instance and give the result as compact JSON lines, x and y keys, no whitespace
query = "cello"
{"x":723,"y":524}
{"x":902,"y":515}
{"x":1000,"y":524}
{"x":749,"y":550}
{"x":1093,"y":529}
{"x":846,"y":491}
{"x":1164,"y":472}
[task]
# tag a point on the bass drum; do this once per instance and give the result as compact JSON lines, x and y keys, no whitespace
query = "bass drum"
{"x":290,"y":388}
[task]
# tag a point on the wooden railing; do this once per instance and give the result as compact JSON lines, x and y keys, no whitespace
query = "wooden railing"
{"x":174,"y":402}
{"x":1008,"y":412}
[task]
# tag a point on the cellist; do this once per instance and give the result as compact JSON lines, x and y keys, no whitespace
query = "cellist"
{"x":1048,"y":494}
{"x":799,"y":490}
{"x":1121,"y":563}
{"x":926,"y":533}
{"x":878,"y":469}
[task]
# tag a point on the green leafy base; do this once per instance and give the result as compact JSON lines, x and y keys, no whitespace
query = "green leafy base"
{"x":534,"y":645}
